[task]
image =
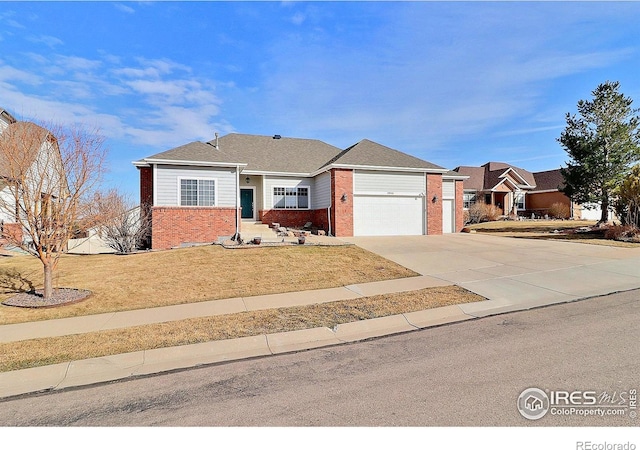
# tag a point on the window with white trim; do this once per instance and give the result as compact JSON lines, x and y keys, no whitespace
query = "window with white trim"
{"x":197,"y":192}
{"x":291,"y":197}
{"x":519,"y":200}
{"x":469,"y":199}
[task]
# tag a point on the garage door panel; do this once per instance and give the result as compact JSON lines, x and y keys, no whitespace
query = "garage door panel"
{"x":388,"y":215}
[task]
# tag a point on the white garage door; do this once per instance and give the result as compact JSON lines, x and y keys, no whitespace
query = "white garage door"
{"x":388,"y":215}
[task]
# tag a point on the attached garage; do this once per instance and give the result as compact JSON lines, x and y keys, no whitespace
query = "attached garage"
{"x":388,"y":215}
{"x":388,"y":203}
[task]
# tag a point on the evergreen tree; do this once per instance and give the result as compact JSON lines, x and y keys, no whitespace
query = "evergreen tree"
{"x":602,"y":141}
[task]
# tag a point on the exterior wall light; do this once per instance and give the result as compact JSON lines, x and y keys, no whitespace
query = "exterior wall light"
{"x":344,"y":197}
{"x":434,"y":199}
{"x":247,"y":180}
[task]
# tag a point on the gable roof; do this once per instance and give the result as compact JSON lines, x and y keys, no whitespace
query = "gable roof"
{"x":27,"y":139}
{"x":549,"y":180}
{"x":6,"y":117}
{"x":256,"y":153}
{"x":491,"y":174}
{"x":283,"y":155}
{"x":372,"y":154}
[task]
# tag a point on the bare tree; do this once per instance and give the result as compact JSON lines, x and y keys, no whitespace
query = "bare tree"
{"x":47,"y":170}
{"x":121,"y":224}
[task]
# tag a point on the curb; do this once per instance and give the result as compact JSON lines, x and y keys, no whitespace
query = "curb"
{"x":147,"y":362}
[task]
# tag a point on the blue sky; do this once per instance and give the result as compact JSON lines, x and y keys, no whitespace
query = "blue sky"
{"x":454,"y":83}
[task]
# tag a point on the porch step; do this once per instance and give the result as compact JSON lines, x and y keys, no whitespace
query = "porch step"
{"x":250,"y":230}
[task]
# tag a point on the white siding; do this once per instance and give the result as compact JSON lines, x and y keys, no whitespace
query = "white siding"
{"x":8,"y":206}
{"x":390,"y":183}
{"x":448,"y":189}
{"x":271,"y":182}
{"x":3,"y":125}
{"x":167,"y":187}
{"x":322,"y":193}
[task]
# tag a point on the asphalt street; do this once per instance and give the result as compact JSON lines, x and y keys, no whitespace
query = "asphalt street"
{"x":464,"y":374}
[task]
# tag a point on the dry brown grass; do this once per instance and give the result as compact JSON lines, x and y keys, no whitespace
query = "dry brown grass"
{"x":39,"y":352}
{"x":543,"y":229}
{"x":529,"y":226}
{"x":191,"y":275}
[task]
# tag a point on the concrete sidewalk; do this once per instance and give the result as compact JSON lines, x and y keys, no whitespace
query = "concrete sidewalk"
{"x":513,"y":274}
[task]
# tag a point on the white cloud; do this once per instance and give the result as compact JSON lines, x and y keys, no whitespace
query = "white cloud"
{"x":124,"y":8}
{"x":298,"y":18}
{"x":49,"y":41}
{"x":433,"y":72}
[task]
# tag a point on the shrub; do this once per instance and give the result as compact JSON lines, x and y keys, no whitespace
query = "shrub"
{"x":492,"y":212}
{"x":481,"y":212}
{"x":560,"y":211}
{"x":623,"y":233}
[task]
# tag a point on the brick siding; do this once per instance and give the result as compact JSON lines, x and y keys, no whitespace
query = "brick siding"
{"x":11,"y":234}
{"x":173,"y":226}
{"x":459,"y":206}
{"x":295,"y":218}
{"x":342,"y":211}
{"x":434,"y":209}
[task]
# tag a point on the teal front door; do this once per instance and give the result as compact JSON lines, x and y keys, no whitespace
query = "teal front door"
{"x":246,"y":202}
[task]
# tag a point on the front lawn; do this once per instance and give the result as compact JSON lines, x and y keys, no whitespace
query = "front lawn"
{"x":529,"y":226}
{"x":581,"y":231}
{"x":188,"y":275}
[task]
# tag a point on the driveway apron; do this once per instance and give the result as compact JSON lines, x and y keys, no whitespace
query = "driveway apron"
{"x":513,"y":273}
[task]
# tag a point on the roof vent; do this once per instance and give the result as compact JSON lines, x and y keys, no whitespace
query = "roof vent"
{"x":277,"y":136}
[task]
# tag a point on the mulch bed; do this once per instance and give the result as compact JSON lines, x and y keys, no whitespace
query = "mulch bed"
{"x":35,"y":299}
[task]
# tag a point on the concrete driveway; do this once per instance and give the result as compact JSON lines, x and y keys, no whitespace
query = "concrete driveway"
{"x":513,"y":273}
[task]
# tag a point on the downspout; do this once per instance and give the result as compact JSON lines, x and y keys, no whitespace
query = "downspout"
{"x":330,"y":204}
{"x":237,"y":235}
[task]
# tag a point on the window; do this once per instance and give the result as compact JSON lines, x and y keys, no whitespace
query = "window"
{"x":195,"y":192}
{"x":291,"y":197}
{"x":519,"y":200}
{"x":469,"y":199}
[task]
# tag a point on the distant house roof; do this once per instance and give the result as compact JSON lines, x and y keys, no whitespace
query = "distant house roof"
{"x":491,"y":174}
{"x":6,"y":117}
{"x":27,"y":139}
{"x":277,"y":154}
{"x":549,"y":180}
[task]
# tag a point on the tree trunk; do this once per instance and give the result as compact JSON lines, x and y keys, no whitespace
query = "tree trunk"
{"x":48,"y":280}
{"x":604,"y":216}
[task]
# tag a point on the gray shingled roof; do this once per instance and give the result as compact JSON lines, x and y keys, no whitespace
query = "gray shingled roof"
{"x":368,"y":153}
{"x":259,"y":153}
{"x":290,"y":155}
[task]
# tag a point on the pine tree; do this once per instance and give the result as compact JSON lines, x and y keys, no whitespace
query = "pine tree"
{"x":603,"y":142}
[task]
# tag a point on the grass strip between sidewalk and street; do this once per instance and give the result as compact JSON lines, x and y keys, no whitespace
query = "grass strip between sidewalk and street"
{"x":47,"y":351}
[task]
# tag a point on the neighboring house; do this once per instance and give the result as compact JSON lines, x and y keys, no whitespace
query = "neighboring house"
{"x":518,"y":191}
{"x":97,"y":240}
{"x":199,"y":192}
{"x":30,"y":158}
{"x":92,"y":244}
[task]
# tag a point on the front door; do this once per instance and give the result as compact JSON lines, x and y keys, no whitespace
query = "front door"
{"x":246,"y":202}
